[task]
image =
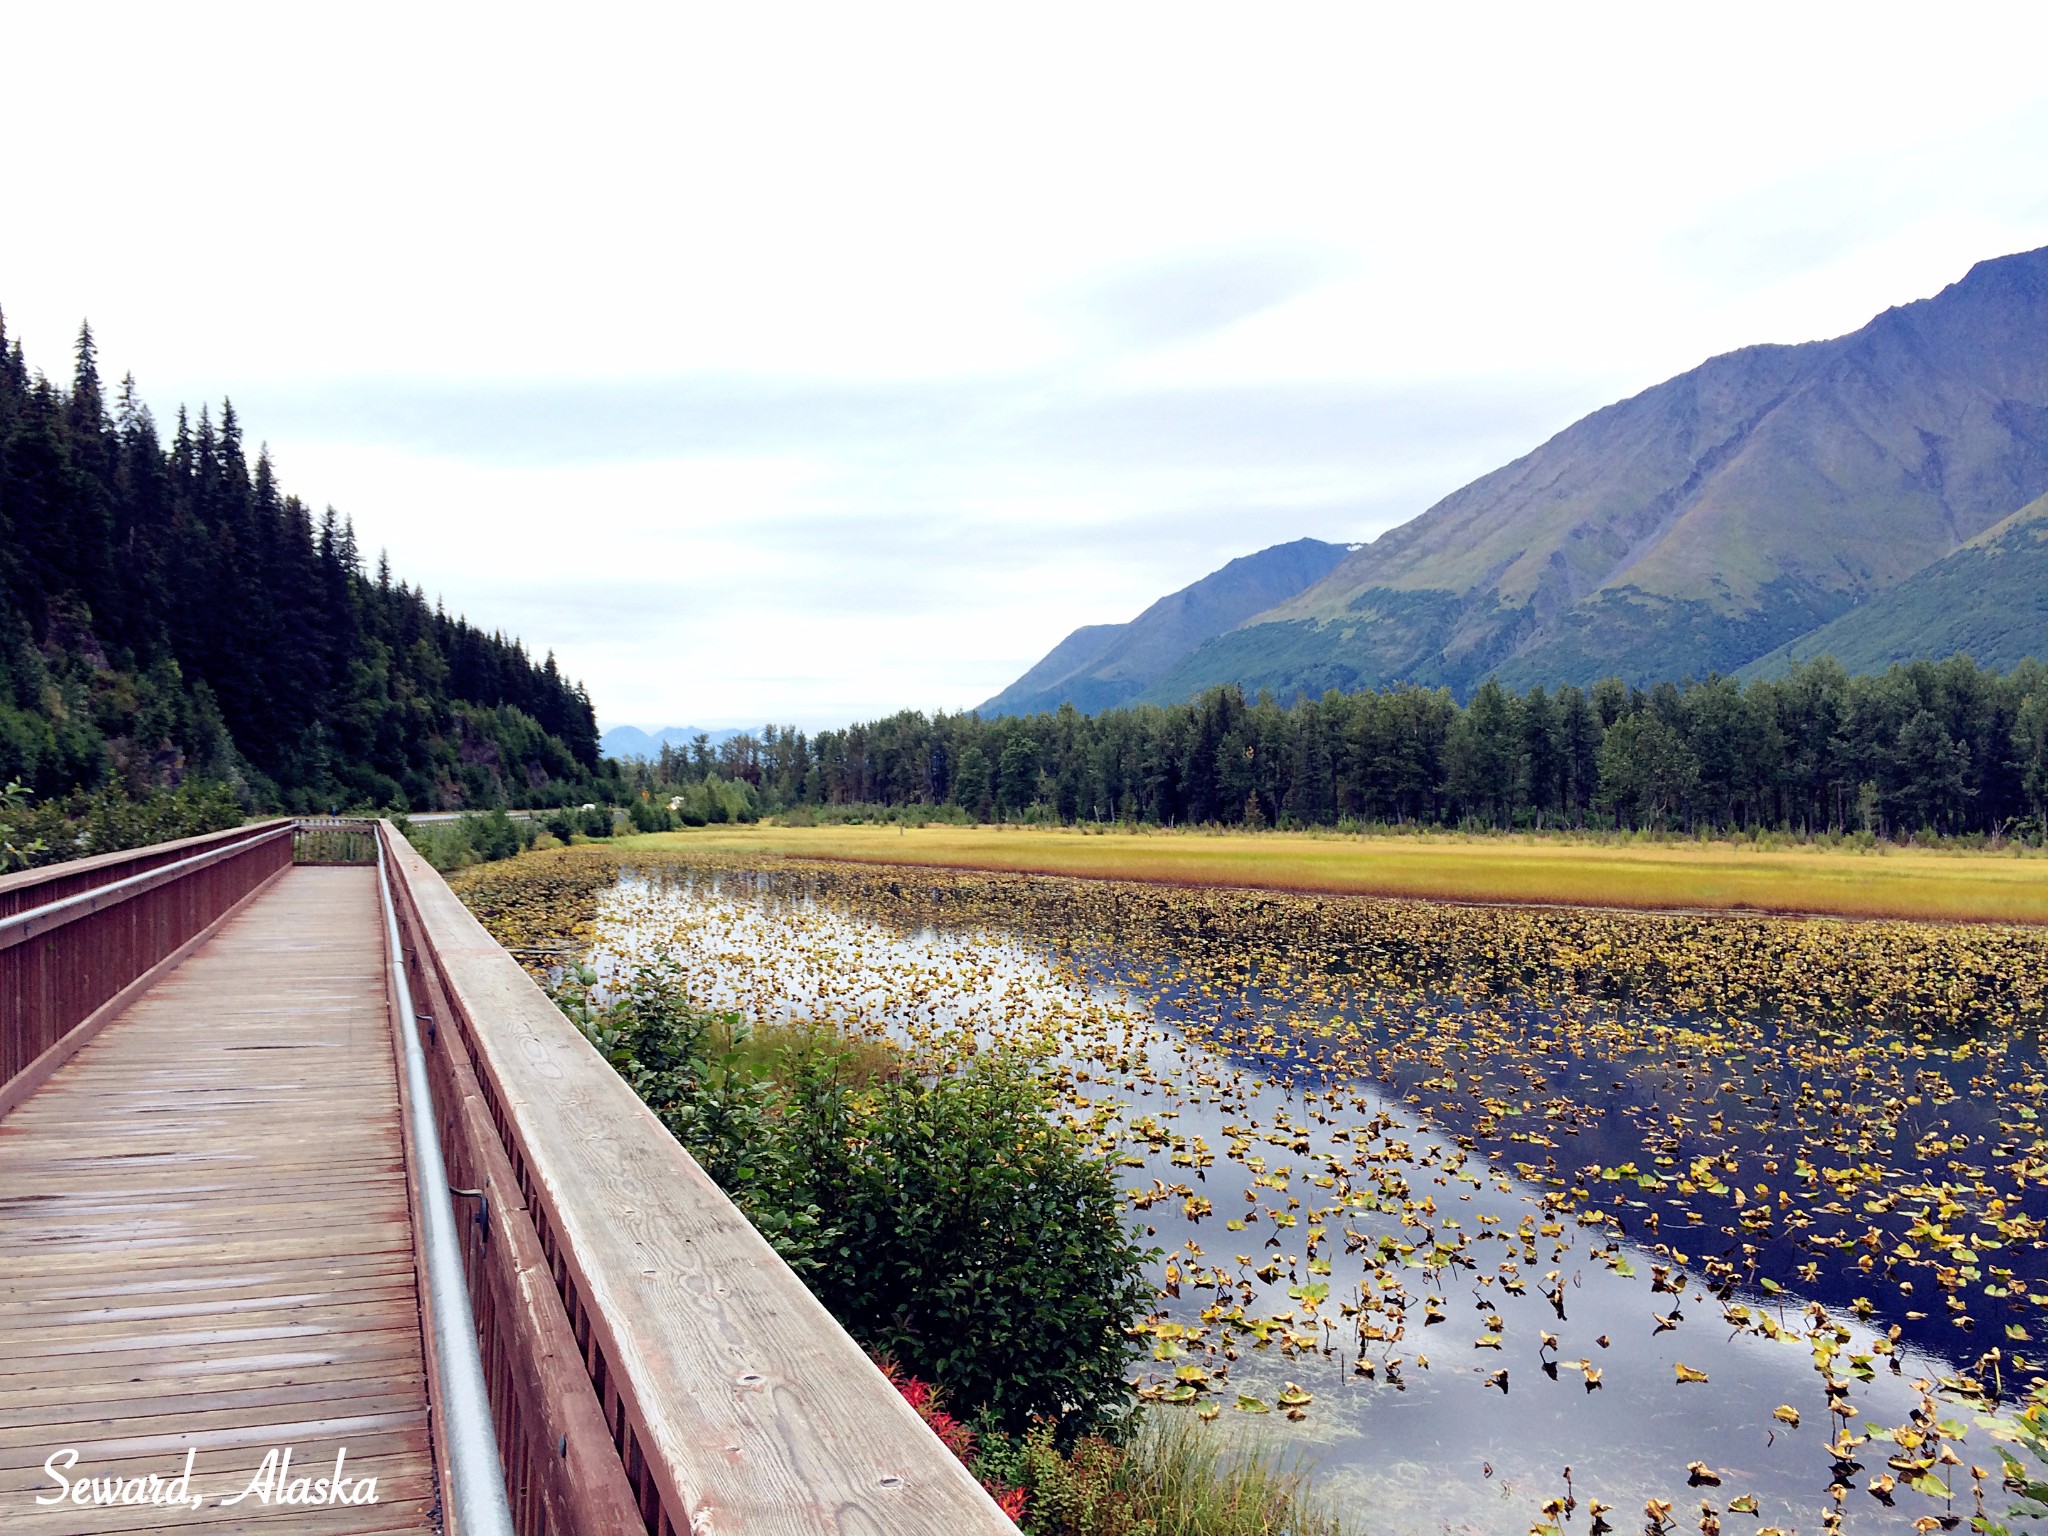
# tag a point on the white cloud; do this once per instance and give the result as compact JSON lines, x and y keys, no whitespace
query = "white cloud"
{"x":811,"y":362}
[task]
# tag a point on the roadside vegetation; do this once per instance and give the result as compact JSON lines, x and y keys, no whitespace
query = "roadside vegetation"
{"x":478,"y":838}
{"x":36,"y":831}
{"x":482,"y":837}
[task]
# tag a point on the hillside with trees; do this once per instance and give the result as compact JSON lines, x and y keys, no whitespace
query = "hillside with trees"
{"x":1988,"y":600}
{"x":170,"y":616}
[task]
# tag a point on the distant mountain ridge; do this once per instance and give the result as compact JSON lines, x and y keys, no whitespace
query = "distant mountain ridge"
{"x":1713,"y":520}
{"x":629,"y":741}
{"x":1102,"y":665}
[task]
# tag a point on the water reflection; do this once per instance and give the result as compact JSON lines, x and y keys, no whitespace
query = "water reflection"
{"x":1404,"y":1247}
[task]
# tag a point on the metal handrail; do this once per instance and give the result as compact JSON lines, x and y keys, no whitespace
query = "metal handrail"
{"x":23,"y":926}
{"x":476,"y":1473}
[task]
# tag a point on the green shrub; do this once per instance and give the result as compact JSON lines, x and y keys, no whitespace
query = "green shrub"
{"x":646,"y":816}
{"x":714,"y":801}
{"x":494,"y":835}
{"x":982,"y":1247}
{"x":948,"y":1223}
{"x":693,"y":1069}
{"x":25,"y":833}
{"x":107,"y":820}
{"x":474,"y":838}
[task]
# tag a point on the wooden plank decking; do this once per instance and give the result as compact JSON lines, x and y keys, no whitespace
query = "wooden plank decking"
{"x":205,"y":1238}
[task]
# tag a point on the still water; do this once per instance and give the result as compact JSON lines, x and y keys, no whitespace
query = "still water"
{"x":1390,"y":1254}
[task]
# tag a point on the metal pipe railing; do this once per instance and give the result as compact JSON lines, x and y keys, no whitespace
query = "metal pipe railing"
{"x":477,"y":1476}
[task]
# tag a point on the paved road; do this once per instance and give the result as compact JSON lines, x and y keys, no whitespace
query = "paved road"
{"x":433,"y":816}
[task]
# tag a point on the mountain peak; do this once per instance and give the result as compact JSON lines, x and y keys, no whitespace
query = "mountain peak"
{"x":1699,"y":524}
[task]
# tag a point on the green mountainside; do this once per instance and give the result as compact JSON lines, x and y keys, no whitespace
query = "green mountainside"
{"x":1697,"y":526}
{"x":1987,"y":601}
{"x":1102,"y":665}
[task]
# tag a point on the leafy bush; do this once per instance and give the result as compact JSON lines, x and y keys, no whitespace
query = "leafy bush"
{"x":948,"y":1223}
{"x":646,"y":816}
{"x":715,"y":801}
{"x":494,"y":835}
{"x":957,"y":1437}
{"x":24,"y":835}
{"x":692,"y":1068}
{"x":981,"y":1245}
{"x":471,"y":839}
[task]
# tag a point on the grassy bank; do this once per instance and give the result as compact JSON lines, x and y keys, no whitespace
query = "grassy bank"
{"x":1713,"y":876}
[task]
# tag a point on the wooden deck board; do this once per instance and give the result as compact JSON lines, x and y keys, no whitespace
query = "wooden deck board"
{"x":205,"y":1240}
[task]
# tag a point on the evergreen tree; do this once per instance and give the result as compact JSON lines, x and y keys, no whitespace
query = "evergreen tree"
{"x":170,"y":613}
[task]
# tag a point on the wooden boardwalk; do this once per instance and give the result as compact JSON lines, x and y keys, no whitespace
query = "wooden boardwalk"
{"x":206,"y":1241}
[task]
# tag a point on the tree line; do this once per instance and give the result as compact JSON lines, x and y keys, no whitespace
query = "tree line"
{"x":169,"y":612}
{"x":1943,"y":747}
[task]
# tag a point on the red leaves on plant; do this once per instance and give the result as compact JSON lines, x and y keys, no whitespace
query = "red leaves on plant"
{"x":1009,"y":1500}
{"x":955,"y":1436}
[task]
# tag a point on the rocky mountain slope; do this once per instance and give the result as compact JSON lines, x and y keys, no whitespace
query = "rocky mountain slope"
{"x":1701,"y":525}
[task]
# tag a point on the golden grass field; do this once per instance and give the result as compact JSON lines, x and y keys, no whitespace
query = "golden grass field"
{"x":1712,"y":876}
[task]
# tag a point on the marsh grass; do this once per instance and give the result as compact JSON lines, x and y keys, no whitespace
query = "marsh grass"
{"x":1172,"y":1475}
{"x":1884,"y":882}
{"x":1186,"y":1478}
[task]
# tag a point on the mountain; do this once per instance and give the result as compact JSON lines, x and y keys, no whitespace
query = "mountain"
{"x":169,"y":614}
{"x":1698,"y":525}
{"x":1987,"y":601}
{"x":629,"y":741}
{"x":1102,"y":665}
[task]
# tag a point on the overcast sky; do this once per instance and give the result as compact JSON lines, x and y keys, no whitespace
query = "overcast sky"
{"x":810,"y":362}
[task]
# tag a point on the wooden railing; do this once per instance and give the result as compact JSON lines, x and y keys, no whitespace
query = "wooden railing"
{"x":334,"y":840}
{"x":653,"y":1363}
{"x":563,"y":1476}
{"x":78,"y":940}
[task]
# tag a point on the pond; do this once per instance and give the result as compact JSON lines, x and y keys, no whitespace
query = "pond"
{"x":1501,"y":1217}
